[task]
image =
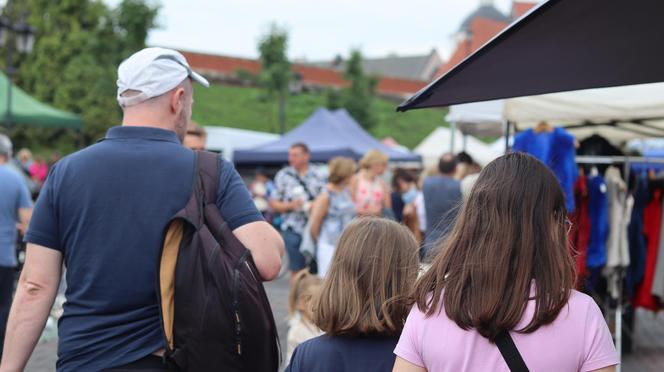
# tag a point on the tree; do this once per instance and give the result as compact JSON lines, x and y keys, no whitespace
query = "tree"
{"x":333,"y":98}
{"x":359,"y":97}
{"x":275,"y":73}
{"x":78,"y":46}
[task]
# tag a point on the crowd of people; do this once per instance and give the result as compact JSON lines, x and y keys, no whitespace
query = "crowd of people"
{"x":312,"y":206}
{"x":455,"y":270}
{"x":33,"y":169}
{"x":502,"y":270}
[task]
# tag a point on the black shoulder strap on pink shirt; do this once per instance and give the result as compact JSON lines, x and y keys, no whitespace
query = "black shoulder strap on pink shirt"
{"x":510,"y":352}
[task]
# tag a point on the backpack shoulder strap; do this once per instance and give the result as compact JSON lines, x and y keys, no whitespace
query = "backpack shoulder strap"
{"x":510,"y":352}
{"x":208,"y":171}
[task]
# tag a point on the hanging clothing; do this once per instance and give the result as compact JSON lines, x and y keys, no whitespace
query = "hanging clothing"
{"x":557,"y":150}
{"x":620,"y":211}
{"x":637,"y":240}
{"x":580,"y":233}
{"x":652,"y":217}
{"x":658,"y":280}
{"x":597,"y":145}
{"x":599,"y":222}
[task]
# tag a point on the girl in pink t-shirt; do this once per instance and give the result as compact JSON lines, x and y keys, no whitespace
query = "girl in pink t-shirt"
{"x":506,"y":267}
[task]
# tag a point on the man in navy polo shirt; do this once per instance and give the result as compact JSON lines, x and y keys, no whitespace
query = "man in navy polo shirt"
{"x":103,"y":211}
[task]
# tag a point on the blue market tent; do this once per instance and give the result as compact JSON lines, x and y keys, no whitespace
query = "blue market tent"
{"x":328,"y":134}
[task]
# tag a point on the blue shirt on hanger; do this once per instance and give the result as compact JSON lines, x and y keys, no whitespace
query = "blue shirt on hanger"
{"x":599,"y":222}
{"x":556,"y":149}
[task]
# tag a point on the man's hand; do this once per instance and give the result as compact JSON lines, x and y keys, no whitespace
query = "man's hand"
{"x":24,"y":215}
{"x":22,"y":228}
{"x":296,"y":204}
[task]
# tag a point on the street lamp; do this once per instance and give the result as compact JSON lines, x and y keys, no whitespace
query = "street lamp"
{"x":24,"y":38}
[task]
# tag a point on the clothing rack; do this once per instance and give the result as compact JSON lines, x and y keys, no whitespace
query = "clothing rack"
{"x":626,"y":161}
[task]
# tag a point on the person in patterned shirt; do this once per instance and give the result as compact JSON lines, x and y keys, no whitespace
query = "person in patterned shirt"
{"x":297,"y":185}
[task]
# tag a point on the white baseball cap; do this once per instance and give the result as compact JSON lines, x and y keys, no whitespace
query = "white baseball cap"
{"x":153,"y":72}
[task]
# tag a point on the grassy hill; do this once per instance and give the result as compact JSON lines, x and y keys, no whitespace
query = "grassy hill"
{"x":244,"y":107}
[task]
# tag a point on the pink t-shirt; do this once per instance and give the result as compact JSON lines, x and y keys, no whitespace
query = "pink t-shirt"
{"x":578,"y":340}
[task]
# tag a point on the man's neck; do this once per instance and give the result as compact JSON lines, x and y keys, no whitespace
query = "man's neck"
{"x":302,"y":170}
{"x":146,"y":118}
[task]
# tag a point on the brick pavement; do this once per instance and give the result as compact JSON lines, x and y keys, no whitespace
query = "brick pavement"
{"x":648,"y":355}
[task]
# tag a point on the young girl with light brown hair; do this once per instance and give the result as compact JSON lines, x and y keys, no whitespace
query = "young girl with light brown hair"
{"x":301,"y":327}
{"x":363,"y":303}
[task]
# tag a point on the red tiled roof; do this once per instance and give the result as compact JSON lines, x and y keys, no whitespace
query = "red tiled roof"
{"x":225,"y":65}
{"x":396,"y":86}
{"x":482,"y":30}
{"x":520,"y":8}
{"x":220,"y":64}
{"x":320,"y":76}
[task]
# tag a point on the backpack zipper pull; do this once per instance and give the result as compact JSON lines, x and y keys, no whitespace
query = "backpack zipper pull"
{"x":238,"y":330}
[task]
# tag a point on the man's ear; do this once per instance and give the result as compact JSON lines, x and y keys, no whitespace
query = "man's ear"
{"x":176,"y":99}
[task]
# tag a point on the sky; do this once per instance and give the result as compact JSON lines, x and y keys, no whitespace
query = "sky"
{"x":318,"y":30}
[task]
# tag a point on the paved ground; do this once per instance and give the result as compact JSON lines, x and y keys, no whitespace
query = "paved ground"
{"x":648,"y":355}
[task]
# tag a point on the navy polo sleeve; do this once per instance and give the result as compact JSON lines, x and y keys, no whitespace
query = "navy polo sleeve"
{"x":233,"y":199}
{"x":43,"y":228}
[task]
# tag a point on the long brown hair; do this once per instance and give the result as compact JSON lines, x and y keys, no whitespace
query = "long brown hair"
{"x":510,"y":232}
{"x":372,"y":273}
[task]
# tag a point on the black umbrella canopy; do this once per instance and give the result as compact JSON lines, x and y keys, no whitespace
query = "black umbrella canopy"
{"x":561,"y":45}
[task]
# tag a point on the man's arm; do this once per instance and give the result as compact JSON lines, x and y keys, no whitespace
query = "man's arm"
{"x":24,"y":215}
{"x":34,"y":298}
{"x":286,"y":206}
{"x":277,"y":202}
{"x":266,"y":246}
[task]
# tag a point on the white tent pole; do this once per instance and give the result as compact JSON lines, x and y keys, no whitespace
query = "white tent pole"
{"x":453,"y":129}
{"x":506,"y":131}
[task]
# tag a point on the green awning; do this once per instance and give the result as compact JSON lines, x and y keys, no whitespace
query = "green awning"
{"x":29,"y":111}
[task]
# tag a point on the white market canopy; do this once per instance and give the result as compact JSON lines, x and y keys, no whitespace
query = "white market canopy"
{"x":439,"y":142}
{"x":226,"y":140}
{"x":619,"y":113}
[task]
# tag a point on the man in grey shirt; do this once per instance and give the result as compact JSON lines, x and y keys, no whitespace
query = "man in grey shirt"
{"x":442,"y":196}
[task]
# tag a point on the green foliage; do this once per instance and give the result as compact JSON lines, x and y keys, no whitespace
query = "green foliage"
{"x":333,"y":98}
{"x":134,"y":19}
{"x":276,"y":72}
{"x":359,"y":98}
{"x":275,"y":67}
{"x":79,"y":44}
{"x":242,"y":107}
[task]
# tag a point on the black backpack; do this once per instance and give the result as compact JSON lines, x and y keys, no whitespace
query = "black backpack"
{"x":214,"y":310}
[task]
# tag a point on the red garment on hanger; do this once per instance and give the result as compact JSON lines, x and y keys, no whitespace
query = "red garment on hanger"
{"x":652,"y":220}
{"x":579,"y":236}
